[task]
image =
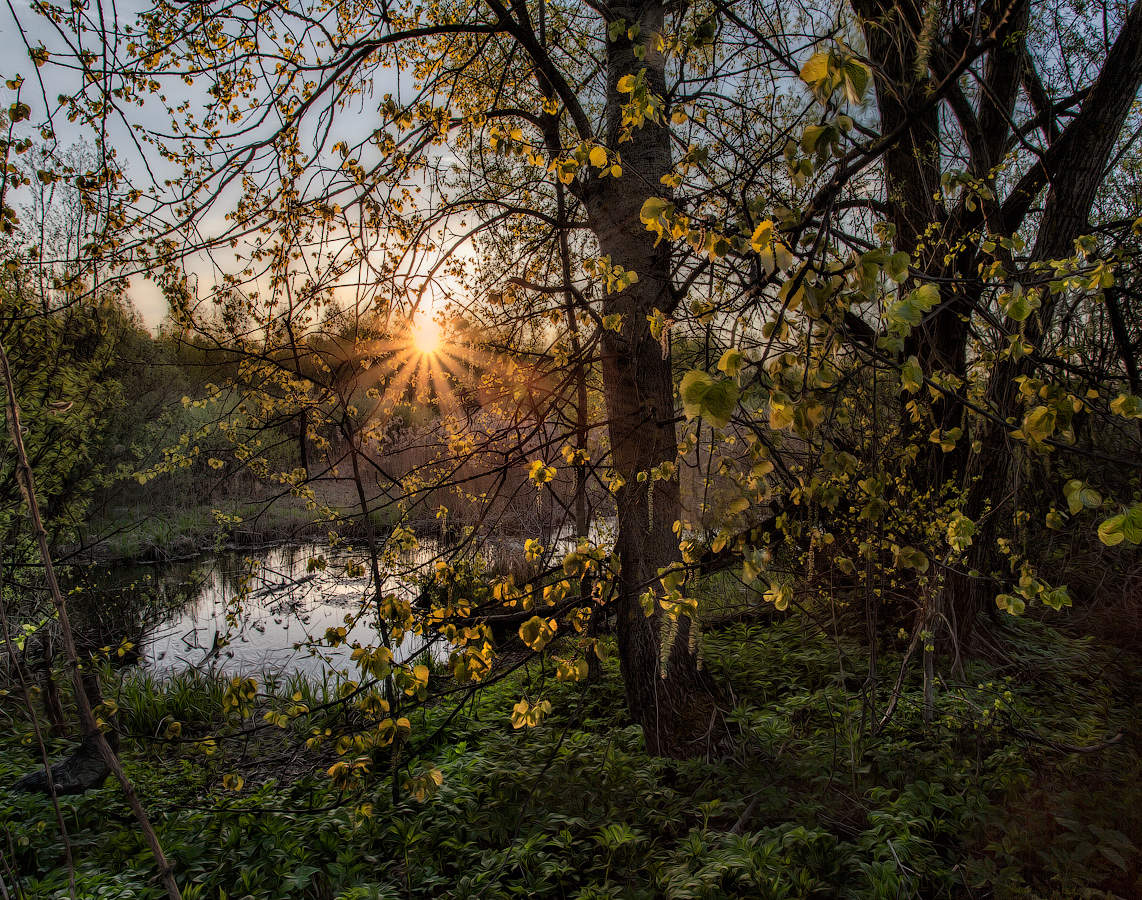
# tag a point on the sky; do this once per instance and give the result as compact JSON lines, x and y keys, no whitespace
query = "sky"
{"x":21,"y":27}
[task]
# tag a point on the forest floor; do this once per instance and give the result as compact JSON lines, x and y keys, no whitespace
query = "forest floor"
{"x":992,"y":798}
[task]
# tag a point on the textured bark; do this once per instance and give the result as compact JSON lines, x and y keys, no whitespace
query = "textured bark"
{"x":1074,"y":167}
{"x":671,"y":698}
{"x":1071,"y":168}
{"x":912,"y":182}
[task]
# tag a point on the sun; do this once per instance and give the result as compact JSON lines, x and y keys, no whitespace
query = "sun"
{"x":426,"y":336}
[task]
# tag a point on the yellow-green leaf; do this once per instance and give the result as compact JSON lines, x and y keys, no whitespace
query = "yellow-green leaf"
{"x":537,"y":632}
{"x":712,"y":400}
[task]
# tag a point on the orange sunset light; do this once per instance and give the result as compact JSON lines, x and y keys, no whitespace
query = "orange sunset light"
{"x":426,"y":336}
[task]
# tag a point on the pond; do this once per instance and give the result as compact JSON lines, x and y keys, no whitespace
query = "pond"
{"x":263,"y":611}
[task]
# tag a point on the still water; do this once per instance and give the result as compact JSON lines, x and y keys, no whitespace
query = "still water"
{"x":265,"y":611}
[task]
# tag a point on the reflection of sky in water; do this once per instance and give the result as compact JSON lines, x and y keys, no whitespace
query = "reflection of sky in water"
{"x":287,"y":605}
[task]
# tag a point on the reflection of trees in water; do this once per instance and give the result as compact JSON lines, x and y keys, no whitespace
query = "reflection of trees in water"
{"x":217,"y":604}
{"x":113,"y":604}
{"x":236,"y":574}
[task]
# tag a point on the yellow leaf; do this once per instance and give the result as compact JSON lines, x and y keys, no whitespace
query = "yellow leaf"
{"x":525,"y":714}
{"x":762,"y":236}
{"x":731,"y":362}
{"x":537,"y":632}
{"x":780,"y":415}
{"x":816,"y":68}
{"x":540,"y":473}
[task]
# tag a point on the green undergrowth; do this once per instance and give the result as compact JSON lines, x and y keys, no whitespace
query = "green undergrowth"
{"x":986,"y":800}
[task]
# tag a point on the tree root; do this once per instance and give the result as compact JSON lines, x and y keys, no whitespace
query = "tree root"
{"x":77,"y":774}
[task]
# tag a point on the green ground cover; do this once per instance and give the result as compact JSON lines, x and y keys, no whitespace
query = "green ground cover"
{"x":988,"y":800}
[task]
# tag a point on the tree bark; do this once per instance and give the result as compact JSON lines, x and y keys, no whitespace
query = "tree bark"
{"x":1074,"y":169}
{"x":667,"y":693}
{"x":902,"y":46}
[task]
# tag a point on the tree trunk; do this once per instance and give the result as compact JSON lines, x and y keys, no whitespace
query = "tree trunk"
{"x":905,"y":47}
{"x":667,"y":693}
{"x":1074,"y":169}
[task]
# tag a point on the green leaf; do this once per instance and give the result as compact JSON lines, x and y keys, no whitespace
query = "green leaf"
{"x":912,"y":558}
{"x":909,"y":312}
{"x":1112,"y":532}
{"x":1017,"y":307}
{"x":911,"y":375}
{"x":961,"y":530}
{"x":926,"y":296}
{"x":1011,"y":603}
{"x":897,"y":267}
{"x":1039,"y":423}
{"x":1126,"y":526}
{"x":811,"y":135}
{"x":856,"y":75}
{"x":1127,"y":405}
{"x":1056,"y":598}
{"x":1114,"y":856}
{"x":712,"y":400}
{"x":1080,"y":497}
{"x":613,"y":322}
{"x":1132,"y":525}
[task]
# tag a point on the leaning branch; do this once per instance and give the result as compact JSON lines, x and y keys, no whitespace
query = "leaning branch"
{"x":86,"y":714}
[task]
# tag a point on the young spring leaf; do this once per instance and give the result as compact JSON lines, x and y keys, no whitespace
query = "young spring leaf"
{"x":537,"y":632}
{"x":712,"y":400}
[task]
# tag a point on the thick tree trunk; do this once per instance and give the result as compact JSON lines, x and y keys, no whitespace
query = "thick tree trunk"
{"x":904,"y":46}
{"x":912,"y":175}
{"x":667,"y":693}
{"x":1074,"y":169}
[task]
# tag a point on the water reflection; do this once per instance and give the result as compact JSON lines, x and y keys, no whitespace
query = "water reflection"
{"x":270,"y":612}
{"x":265,"y":611}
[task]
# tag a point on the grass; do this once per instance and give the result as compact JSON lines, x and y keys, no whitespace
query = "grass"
{"x":158,"y":534}
{"x":981,"y":802}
